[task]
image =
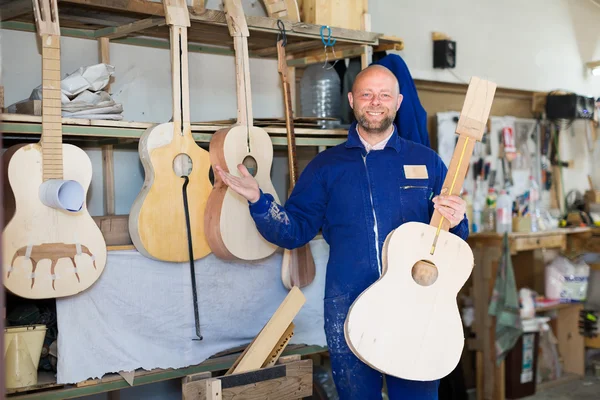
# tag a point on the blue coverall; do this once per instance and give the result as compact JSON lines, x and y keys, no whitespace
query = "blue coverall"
{"x":341,"y":191}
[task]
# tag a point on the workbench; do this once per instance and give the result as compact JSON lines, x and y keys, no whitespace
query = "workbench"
{"x":529,"y":272}
{"x":48,"y":389}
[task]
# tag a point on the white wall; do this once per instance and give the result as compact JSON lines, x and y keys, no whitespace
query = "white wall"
{"x":532,"y":45}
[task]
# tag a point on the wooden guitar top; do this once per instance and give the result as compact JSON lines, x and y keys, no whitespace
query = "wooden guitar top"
{"x":49,"y":249}
{"x":168,"y":152}
{"x":231,"y":231}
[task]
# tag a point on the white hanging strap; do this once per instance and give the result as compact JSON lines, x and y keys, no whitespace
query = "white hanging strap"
{"x":28,"y":251}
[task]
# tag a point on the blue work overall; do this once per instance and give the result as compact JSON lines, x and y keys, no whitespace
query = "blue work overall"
{"x":357,"y":198}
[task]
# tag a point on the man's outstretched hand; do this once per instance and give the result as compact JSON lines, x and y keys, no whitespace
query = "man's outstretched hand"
{"x":246,"y":186}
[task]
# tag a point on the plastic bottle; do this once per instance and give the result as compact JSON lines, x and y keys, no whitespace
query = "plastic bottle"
{"x":489,"y":214}
{"x":534,"y":197}
{"x":504,"y":213}
{"x":478,"y":205}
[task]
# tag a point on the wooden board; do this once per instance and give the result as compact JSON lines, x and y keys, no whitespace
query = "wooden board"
{"x":288,"y":381}
{"x":424,"y":268}
{"x":297,"y":266}
{"x":157,"y":220}
{"x":342,"y":14}
{"x":260,"y":350}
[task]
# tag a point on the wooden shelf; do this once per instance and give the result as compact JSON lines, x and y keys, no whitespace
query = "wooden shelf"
{"x":108,"y":132}
{"x":142,"y":23}
{"x":50,"y":390}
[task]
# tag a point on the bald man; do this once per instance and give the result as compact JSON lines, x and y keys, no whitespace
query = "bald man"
{"x":358,"y":192}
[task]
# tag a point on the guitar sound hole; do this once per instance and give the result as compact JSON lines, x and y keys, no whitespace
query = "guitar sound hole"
{"x":424,"y":273}
{"x":182,"y":165}
{"x":250,"y":164}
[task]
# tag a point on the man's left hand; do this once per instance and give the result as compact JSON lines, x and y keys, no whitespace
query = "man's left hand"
{"x":452,"y":208}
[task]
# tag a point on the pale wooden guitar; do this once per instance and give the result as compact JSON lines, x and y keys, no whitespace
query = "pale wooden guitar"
{"x":230,"y":229}
{"x":49,"y":251}
{"x":421,"y":338}
{"x":170,"y":157}
{"x":298,"y":265}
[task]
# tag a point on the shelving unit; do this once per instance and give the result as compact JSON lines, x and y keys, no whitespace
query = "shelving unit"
{"x":142,"y":23}
{"x":487,"y":251}
{"x":20,"y":127}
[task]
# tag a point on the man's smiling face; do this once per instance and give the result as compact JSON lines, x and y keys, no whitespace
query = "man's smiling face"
{"x":375,"y":99}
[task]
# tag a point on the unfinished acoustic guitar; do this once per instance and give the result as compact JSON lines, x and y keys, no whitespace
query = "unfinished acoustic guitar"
{"x":51,"y":245}
{"x":298,"y":265}
{"x":230,"y":230}
{"x":176,"y":185}
{"x":422,"y":338}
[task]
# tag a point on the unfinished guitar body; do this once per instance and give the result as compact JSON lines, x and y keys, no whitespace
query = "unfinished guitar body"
{"x":48,"y":252}
{"x":420,"y":336}
{"x":169,"y":154}
{"x":231,"y":231}
{"x":157,"y":222}
{"x":425,"y":327}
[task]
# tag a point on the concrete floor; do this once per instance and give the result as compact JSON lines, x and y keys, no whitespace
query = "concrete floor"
{"x":587,"y":388}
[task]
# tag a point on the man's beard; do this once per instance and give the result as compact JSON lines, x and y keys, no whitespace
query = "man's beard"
{"x":375,"y":127}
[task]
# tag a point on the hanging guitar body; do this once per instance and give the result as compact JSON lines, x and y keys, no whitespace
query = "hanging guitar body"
{"x":231,"y":231}
{"x":407,"y":326}
{"x":168,"y":153}
{"x":51,"y":246}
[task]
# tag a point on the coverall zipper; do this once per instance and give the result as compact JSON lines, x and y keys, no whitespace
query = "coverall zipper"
{"x":374,"y":216}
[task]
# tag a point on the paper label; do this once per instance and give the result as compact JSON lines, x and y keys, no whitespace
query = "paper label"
{"x":415,"y":172}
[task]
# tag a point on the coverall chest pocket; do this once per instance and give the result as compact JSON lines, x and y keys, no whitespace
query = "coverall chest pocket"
{"x":414,"y":201}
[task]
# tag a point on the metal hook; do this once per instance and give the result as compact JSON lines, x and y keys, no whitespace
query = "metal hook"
{"x":329,"y":43}
{"x":281,"y":27}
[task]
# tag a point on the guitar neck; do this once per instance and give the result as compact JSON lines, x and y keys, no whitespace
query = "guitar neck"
{"x":51,"y":140}
{"x":289,"y":115}
{"x":238,"y":30}
{"x":180,"y":77}
{"x":456,"y":176}
{"x":242,"y":75}
{"x":470,"y":128}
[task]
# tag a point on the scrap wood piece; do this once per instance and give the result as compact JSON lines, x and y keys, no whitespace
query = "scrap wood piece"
{"x":286,"y":381}
{"x":269,"y":337}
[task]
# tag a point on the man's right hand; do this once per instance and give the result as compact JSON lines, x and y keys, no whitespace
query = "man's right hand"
{"x":245,"y":186}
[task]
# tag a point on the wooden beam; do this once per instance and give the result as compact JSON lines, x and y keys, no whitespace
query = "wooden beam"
{"x":15,"y":9}
{"x":216,"y":17}
{"x":124,"y":30}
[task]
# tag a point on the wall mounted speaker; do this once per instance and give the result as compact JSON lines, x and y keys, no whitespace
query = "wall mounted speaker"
{"x":444,"y":54}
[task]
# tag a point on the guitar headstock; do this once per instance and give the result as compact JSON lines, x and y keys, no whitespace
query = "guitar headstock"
{"x":176,"y":12}
{"x":236,"y":20}
{"x":281,"y":60}
{"x":476,"y":108}
{"x":45,"y":13}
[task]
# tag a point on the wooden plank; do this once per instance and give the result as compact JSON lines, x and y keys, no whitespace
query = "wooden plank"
{"x":571,"y":344}
{"x":286,"y":381}
{"x":261,"y":347}
{"x":124,"y":30}
{"x":217,"y":17}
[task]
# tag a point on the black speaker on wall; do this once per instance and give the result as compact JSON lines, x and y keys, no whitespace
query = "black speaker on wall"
{"x":444,"y":54}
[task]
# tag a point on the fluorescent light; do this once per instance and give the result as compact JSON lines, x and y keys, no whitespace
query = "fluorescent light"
{"x":596,"y":71}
